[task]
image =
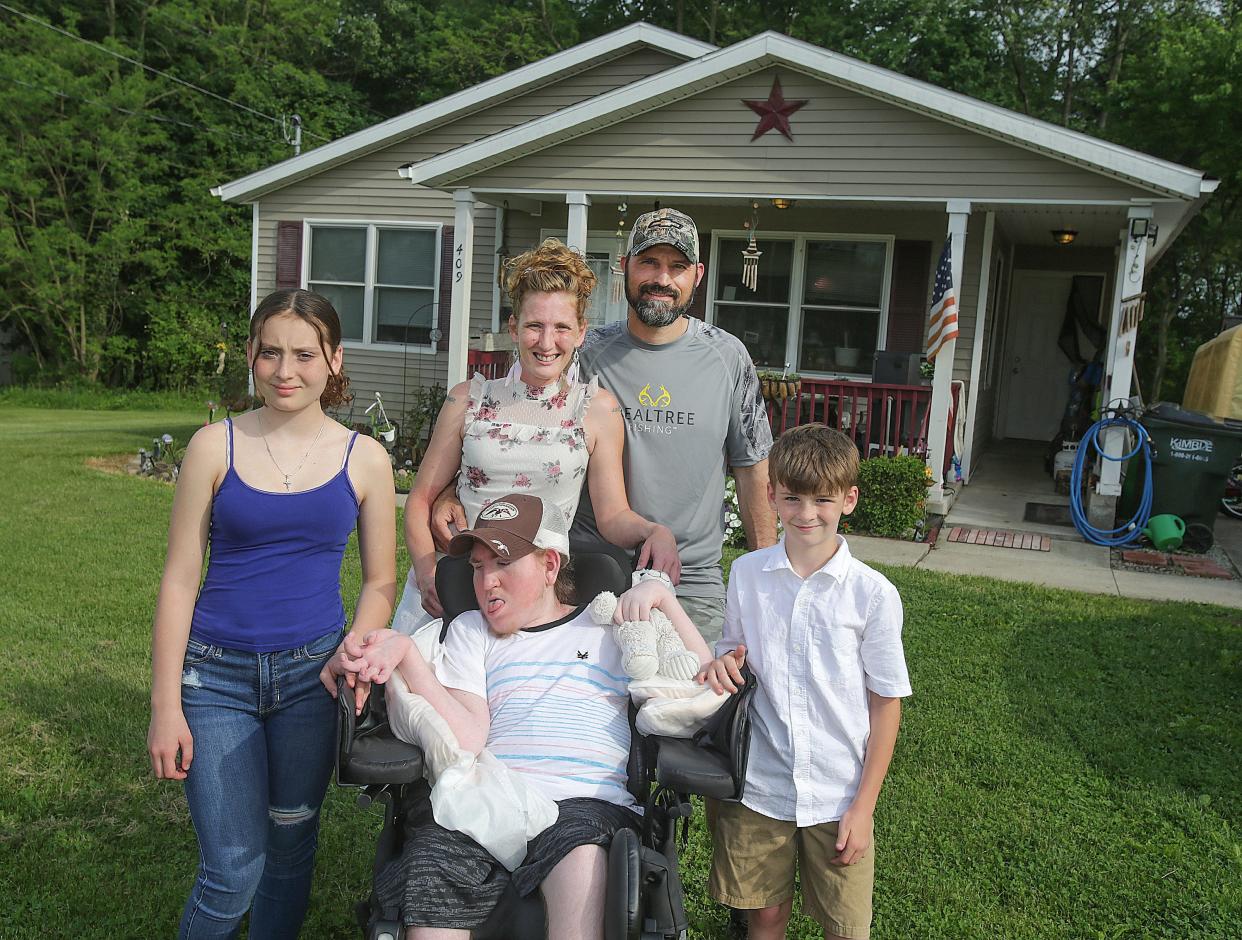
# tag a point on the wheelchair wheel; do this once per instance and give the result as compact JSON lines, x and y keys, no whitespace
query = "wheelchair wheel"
{"x":1231,"y":502}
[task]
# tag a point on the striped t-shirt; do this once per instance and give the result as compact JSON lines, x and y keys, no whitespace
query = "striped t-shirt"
{"x":558,"y":698}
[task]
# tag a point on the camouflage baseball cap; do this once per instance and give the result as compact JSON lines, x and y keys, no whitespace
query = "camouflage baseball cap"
{"x":665,"y":227}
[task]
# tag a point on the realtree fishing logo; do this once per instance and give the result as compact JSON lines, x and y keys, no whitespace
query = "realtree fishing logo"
{"x":655,"y":417}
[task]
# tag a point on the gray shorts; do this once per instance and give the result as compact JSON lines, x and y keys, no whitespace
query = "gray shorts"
{"x":446,"y":879}
{"x":707,"y":613}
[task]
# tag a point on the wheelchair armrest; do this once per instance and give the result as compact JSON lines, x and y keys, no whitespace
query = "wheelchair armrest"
{"x":713,"y":764}
{"x":367,"y":750}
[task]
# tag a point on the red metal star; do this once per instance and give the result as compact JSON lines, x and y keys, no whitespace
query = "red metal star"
{"x":773,"y":113}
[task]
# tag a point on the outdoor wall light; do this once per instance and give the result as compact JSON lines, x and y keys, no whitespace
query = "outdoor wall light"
{"x":780,"y":202}
{"x":1064,"y":236}
{"x":1152,"y":231}
{"x":1139,"y":228}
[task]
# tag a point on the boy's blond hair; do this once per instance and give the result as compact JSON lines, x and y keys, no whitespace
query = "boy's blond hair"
{"x":813,"y":458}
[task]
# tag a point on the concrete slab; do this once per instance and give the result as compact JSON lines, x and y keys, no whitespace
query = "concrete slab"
{"x":1164,"y":587}
{"x":1009,"y":475}
{"x":1075,"y":566}
{"x":887,"y":551}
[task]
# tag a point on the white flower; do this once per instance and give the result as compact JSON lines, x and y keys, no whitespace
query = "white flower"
{"x":167,"y":439}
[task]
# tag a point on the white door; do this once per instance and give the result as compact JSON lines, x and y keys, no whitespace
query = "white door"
{"x":1034,"y":370}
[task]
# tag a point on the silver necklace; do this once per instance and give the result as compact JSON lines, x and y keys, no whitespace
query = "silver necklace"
{"x":289,"y":476}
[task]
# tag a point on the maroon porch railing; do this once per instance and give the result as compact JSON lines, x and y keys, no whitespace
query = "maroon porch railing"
{"x":883,"y":420}
{"x":489,"y":363}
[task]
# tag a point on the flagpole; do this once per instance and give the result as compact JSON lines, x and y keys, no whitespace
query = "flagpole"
{"x":942,"y":385}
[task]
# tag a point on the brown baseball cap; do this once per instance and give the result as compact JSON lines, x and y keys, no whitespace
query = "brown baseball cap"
{"x":516,"y":525}
{"x":665,"y":227}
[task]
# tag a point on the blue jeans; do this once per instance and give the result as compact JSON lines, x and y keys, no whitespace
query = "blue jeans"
{"x":264,"y":730}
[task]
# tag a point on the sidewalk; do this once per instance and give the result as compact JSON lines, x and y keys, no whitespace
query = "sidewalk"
{"x":1071,"y":564}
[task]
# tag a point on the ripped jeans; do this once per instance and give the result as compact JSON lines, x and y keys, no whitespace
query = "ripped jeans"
{"x":264,"y":730}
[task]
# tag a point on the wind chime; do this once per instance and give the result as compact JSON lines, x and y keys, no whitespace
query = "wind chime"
{"x":751,"y":253}
{"x":616,"y":275}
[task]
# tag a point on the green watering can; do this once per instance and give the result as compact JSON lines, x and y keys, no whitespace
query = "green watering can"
{"x":1165,"y":531}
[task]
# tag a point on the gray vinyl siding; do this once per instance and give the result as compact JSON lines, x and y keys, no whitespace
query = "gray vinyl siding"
{"x":845,"y":144}
{"x":369,"y":189}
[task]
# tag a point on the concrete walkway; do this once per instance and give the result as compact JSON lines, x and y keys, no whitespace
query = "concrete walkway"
{"x":1074,"y":565}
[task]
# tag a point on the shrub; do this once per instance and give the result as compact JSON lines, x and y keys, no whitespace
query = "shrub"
{"x":892,"y":491}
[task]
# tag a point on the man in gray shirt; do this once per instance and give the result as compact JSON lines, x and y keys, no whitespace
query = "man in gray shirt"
{"x":692,"y":408}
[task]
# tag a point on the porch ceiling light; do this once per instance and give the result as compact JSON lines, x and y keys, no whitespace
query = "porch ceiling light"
{"x":1064,"y":236}
{"x":1139,"y":228}
{"x":780,"y":202}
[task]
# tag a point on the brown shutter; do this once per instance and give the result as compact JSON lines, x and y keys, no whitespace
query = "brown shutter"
{"x":909,"y":301}
{"x":288,"y":255}
{"x":444,"y":314}
{"x":699,"y":307}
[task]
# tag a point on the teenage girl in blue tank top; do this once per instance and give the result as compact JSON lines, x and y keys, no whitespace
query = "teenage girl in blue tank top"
{"x":239,"y":709}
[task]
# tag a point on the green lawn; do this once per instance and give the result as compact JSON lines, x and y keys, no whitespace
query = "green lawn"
{"x":1069,"y":766}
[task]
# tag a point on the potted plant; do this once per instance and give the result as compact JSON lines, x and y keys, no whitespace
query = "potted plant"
{"x":778,"y":386}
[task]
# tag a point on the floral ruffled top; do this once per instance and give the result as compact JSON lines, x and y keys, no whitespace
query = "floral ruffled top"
{"x":522,"y":439}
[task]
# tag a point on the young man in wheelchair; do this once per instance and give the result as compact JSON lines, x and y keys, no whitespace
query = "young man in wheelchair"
{"x":540,"y":685}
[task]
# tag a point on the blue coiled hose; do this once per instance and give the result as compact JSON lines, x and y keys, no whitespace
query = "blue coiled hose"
{"x":1090,"y":444}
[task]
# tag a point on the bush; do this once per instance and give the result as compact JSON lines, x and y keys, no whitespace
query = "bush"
{"x":892,"y":491}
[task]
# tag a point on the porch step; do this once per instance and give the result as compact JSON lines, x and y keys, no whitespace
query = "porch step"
{"x":1001,"y":538}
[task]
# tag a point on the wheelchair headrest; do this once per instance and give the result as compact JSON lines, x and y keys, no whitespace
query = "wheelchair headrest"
{"x":593,"y":572}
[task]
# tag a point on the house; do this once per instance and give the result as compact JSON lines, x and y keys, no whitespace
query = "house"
{"x":851,"y":176}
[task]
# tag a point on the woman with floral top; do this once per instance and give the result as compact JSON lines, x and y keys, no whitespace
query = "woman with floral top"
{"x":538,"y":430}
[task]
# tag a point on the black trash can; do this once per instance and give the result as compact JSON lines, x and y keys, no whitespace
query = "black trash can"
{"x":1191,"y":457}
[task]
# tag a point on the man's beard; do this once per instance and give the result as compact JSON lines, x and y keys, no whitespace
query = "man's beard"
{"x":656,"y":312}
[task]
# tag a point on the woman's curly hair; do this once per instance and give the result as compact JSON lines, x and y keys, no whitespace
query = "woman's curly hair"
{"x":551,"y":268}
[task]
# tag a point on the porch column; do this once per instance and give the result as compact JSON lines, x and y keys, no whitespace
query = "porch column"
{"x":463,"y":265}
{"x":942,"y":394}
{"x":576,"y":236}
{"x":1119,"y":359}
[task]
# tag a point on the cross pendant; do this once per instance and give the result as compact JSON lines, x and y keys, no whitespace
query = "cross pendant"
{"x":287,"y":485}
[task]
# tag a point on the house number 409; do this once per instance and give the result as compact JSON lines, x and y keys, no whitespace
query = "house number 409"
{"x":457,"y":264}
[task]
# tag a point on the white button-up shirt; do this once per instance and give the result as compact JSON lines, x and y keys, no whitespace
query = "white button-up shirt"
{"x":816,"y":645}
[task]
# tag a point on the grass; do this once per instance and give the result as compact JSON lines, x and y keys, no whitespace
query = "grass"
{"x":1068,"y":767}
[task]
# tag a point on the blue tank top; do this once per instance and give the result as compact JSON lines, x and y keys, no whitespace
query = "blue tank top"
{"x":274,"y":576}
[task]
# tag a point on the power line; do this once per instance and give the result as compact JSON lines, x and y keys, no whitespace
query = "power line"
{"x":139,"y":114}
{"x":149,"y":68}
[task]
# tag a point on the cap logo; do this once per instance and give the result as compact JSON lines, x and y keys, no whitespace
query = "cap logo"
{"x":501,"y":547}
{"x":499,"y":511}
{"x":664,"y":225}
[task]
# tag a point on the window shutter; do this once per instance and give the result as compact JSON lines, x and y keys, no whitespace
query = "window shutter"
{"x":699,"y":307}
{"x":445,"y":312}
{"x":909,"y":300}
{"x":288,"y":255}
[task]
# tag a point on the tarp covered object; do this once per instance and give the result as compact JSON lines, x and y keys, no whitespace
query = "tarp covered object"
{"x":1214,"y":386}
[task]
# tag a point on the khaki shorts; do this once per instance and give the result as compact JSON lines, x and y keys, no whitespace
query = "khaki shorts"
{"x":754,"y":859}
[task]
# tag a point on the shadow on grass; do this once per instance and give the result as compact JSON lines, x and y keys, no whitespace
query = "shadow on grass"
{"x":1152,"y":697}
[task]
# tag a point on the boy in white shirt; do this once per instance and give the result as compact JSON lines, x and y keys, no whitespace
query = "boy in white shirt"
{"x":822,"y":632}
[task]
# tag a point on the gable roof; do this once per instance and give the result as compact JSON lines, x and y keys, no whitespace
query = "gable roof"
{"x":502,"y":87}
{"x":770,"y":48}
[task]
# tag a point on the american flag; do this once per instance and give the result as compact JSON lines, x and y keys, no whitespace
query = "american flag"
{"x":942,"y":326}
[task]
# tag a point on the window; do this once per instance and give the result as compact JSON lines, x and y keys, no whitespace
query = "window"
{"x":382,"y":279}
{"x":819,"y":305}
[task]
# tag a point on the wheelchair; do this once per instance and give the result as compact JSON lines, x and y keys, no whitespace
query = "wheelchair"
{"x":644,"y":895}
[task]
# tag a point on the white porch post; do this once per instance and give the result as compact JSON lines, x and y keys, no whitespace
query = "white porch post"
{"x":463,"y":265}
{"x":937,"y":439}
{"x":576,"y":235}
{"x":1119,"y":361}
{"x":976,"y":356}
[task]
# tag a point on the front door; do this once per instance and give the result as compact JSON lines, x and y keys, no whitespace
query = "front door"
{"x":1035,"y":371}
